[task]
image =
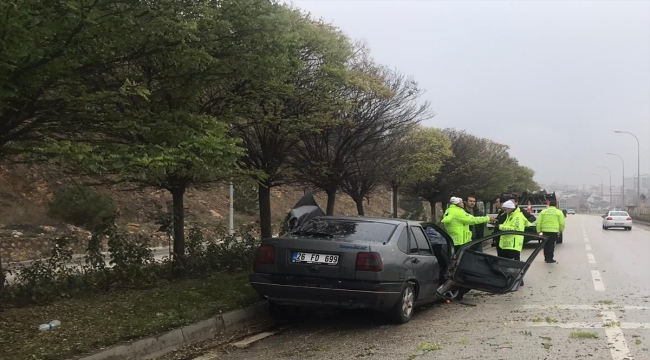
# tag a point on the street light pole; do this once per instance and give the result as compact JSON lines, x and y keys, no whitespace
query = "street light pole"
{"x":601,"y":184}
{"x":638,"y":163}
{"x":623,"y":187}
{"x":610,"y":183}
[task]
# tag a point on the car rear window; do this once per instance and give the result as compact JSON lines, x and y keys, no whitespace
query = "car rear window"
{"x":618,"y":213}
{"x":350,"y":229}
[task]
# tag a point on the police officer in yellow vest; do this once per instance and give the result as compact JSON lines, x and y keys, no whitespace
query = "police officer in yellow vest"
{"x":456,"y":222}
{"x":550,"y":223}
{"x":511,"y":245}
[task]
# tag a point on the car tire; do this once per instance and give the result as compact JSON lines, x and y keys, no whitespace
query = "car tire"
{"x":403,"y":310}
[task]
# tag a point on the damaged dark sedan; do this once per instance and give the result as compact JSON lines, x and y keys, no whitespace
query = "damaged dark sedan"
{"x":384,"y":264}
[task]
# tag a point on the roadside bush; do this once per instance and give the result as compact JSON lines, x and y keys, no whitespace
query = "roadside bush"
{"x":131,"y":264}
{"x":43,"y":281}
{"x":83,"y":206}
{"x":245,"y":198}
{"x":413,"y":207}
{"x":237,"y":251}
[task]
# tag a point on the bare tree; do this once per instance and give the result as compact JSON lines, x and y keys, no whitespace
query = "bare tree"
{"x":376,"y":115}
{"x":363,"y":175}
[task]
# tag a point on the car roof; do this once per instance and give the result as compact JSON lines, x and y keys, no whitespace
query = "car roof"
{"x":383,"y":220}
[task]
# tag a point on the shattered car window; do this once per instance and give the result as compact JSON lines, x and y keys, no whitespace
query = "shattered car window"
{"x":348,"y":229}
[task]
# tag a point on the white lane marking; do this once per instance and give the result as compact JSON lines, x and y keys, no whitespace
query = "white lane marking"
{"x":615,"y":337}
{"x":586,"y":240}
{"x":591,"y":258}
{"x":587,"y":307}
{"x":598,"y":280}
{"x":589,"y":325}
{"x":588,"y":247}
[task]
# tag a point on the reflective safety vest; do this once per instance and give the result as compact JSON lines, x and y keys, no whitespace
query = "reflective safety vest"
{"x":457,"y":221}
{"x":516,"y":221}
{"x":550,"y":220}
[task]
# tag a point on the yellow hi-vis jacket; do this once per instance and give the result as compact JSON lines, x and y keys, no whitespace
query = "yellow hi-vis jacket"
{"x":516,"y":221}
{"x":457,"y":221}
{"x":550,"y":220}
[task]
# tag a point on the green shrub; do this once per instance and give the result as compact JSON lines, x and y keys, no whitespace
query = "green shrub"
{"x":413,"y":207}
{"x":83,"y":206}
{"x":246,"y":198}
{"x":131,"y":264}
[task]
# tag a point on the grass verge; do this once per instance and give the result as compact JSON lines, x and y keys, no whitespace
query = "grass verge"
{"x":103,"y":320}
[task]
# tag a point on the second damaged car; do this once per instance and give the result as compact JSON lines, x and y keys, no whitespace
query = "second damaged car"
{"x":381,"y":264}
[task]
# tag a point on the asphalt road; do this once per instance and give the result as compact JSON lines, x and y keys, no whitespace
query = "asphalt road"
{"x":599,"y":291}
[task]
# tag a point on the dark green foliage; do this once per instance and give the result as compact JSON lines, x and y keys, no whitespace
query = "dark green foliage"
{"x":413,"y":207}
{"x":245,"y":197}
{"x":83,"y":206}
{"x":129,"y":263}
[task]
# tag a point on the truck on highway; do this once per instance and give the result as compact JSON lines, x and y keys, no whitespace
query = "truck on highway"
{"x":533,"y":204}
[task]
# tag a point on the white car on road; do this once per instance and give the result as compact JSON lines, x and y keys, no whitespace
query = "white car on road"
{"x":617,"y":218}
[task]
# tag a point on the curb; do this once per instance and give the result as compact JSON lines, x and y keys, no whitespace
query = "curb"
{"x":161,"y":344}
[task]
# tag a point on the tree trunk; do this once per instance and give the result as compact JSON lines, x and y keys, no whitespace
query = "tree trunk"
{"x":331,"y":199}
{"x":395,"y":188}
{"x":359,"y":202}
{"x":2,"y":275}
{"x":179,"y":229}
{"x":264,"y":197}
{"x":432,"y":205}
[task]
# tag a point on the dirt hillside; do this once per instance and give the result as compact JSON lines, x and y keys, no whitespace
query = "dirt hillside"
{"x":25,"y":192}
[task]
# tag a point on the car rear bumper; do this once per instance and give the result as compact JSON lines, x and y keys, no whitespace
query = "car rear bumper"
{"x":621,"y":223}
{"x":298,"y":290}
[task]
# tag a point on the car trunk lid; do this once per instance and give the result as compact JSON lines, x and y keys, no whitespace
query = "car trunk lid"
{"x":317,"y":256}
{"x":618,"y":217}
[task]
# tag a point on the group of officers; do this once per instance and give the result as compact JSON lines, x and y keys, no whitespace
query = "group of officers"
{"x":460,"y":222}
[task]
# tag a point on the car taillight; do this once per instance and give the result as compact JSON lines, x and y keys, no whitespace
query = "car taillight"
{"x":265,"y":254}
{"x":628,"y":218}
{"x":369,"y":261}
{"x":609,"y":218}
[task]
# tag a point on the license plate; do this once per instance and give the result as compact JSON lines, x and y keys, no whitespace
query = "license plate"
{"x":618,"y":223}
{"x":314,"y":258}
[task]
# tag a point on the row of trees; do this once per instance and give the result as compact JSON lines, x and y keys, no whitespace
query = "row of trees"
{"x":174,"y":94}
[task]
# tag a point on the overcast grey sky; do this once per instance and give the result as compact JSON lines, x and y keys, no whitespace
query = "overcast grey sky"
{"x":552,"y":79}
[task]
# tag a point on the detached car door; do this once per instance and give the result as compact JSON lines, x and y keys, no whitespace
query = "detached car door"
{"x":486,"y":272}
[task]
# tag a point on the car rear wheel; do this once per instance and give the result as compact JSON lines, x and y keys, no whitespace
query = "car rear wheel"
{"x":403,"y":310}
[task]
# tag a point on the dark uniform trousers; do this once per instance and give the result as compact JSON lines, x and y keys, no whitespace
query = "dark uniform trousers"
{"x":549,"y":247}
{"x":509,"y":254}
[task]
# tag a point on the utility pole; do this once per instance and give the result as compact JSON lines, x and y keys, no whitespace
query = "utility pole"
{"x":638,"y":164}
{"x":610,"y":183}
{"x":622,"y":186}
{"x":231,"y":215}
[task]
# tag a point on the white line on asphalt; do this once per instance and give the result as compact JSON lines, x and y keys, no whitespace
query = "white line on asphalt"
{"x":586,"y":239}
{"x":588,"y":247}
{"x":591,"y":258}
{"x":598,"y":280}
{"x":589,"y":325}
{"x":615,"y":337}
{"x":248,"y":341}
{"x":587,"y":307}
